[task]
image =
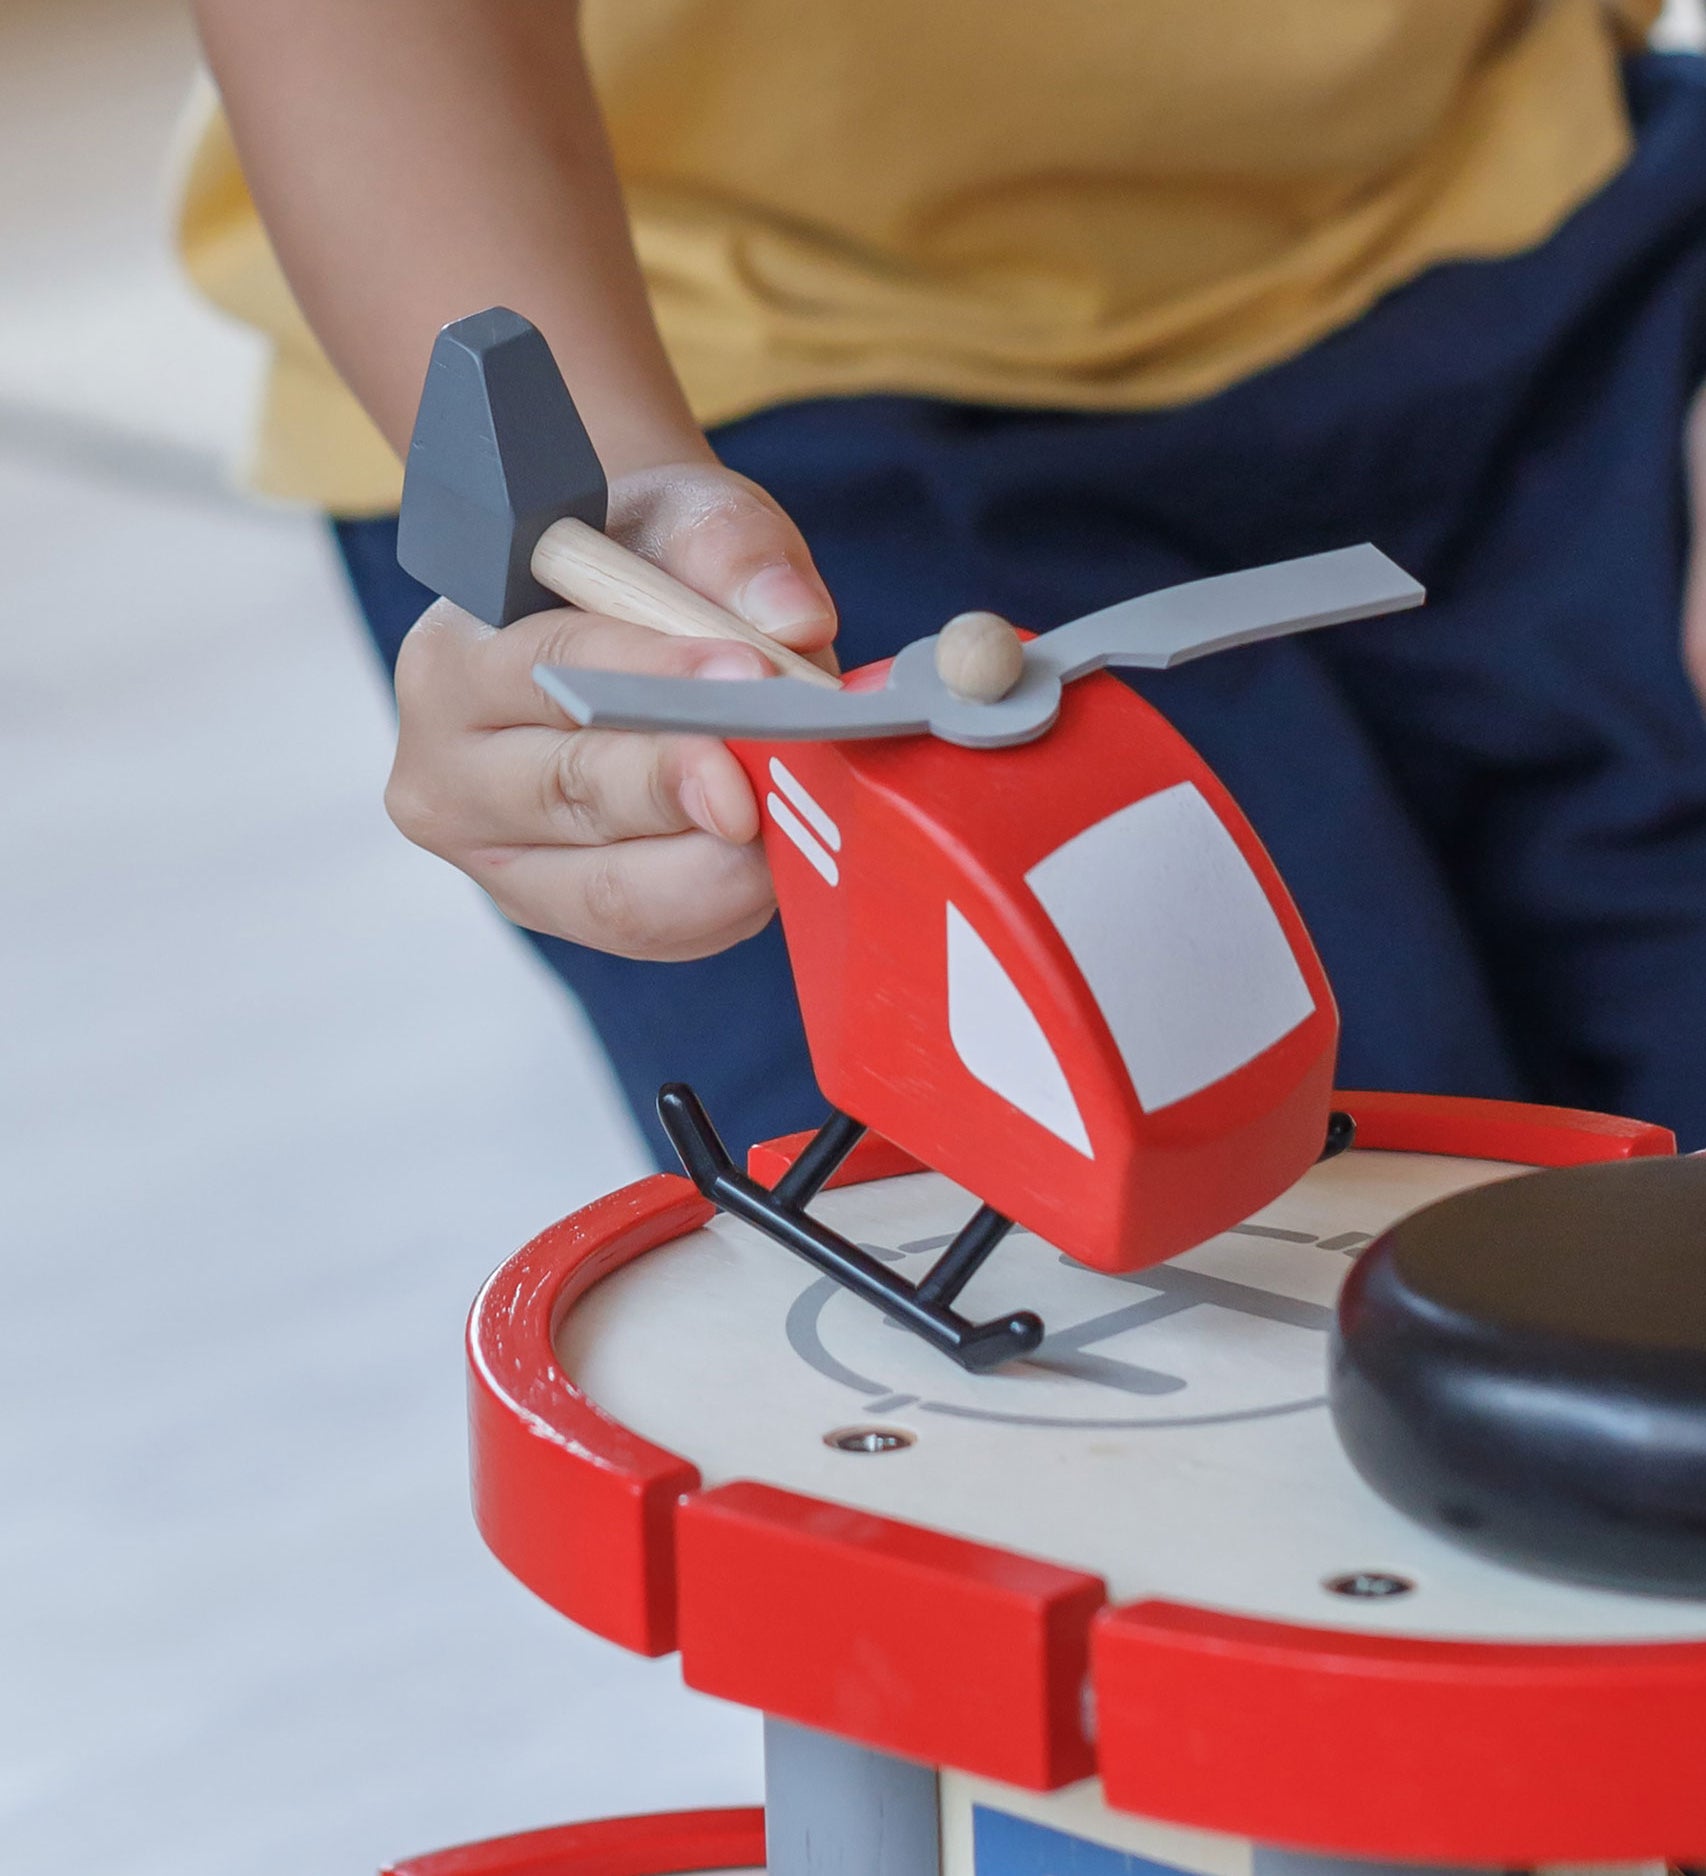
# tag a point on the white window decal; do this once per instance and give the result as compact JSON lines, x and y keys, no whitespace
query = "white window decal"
{"x":1000,"y":1040}
{"x":1177,"y":941}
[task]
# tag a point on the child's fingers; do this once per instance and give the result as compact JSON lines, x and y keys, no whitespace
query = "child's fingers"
{"x":581,"y":788}
{"x":726,"y":538}
{"x":455,"y":672}
{"x":640,"y":845}
{"x":677,"y":897}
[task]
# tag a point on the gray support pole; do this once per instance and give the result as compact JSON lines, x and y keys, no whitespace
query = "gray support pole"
{"x":834,"y":1809}
{"x":1269,"y":1862}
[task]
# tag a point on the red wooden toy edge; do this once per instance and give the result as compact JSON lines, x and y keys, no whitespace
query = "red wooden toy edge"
{"x":663,"y":1845}
{"x":571,"y":1502}
{"x":1507,"y":1130}
{"x":838,"y":1618}
{"x":587,"y":1519}
{"x":1452,"y":1124}
{"x":1271,"y":1731}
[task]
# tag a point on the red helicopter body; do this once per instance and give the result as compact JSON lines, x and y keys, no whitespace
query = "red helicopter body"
{"x":1066,"y":975}
{"x":1036,"y":944}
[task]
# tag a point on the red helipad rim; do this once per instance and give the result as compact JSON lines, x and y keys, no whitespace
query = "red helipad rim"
{"x":571,"y":1502}
{"x":1365,"y":1745}
{"x":672,"y":1843}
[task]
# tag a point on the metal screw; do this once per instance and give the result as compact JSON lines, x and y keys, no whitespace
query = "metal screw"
{"x":1369,"y":1585}
{"x":869,"y":1439}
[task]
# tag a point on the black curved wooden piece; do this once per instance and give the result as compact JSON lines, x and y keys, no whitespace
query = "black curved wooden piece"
{"x":1522,"y":1368}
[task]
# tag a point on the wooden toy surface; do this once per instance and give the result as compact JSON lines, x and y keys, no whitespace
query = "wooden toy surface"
{"x":1171,"y":1435}
{"x":1139,"y":1554}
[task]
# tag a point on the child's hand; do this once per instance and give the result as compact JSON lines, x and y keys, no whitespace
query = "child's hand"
{"x":640,"y":845}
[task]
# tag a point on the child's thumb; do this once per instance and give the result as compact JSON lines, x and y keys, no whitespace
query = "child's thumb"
{"x":742,"y":551}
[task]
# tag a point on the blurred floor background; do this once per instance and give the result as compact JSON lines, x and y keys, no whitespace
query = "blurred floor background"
{"x":276,"y":1092}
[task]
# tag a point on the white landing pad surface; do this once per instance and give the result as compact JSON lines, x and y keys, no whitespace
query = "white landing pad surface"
{"x":1170,"y":1435}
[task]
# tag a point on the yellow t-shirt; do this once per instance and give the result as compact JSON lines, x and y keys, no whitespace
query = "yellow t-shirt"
{"x":1086,"y":204}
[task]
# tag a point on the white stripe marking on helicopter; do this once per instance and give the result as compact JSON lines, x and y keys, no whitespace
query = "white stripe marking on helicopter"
{"x":803,"y":838}
{"x":809,"y":809}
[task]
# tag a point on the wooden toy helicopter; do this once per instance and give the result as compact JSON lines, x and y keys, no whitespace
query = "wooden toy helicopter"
{"x":1036,"y":944}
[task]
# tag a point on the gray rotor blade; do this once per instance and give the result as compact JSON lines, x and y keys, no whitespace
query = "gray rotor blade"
{"x":1156,"y":631}
{"x":767,"y":709}
{"x":1183,"y":622}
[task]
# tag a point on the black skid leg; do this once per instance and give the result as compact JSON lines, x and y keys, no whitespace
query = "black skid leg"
{"x":962,"y":1260}
{"x":1341,"y":1133}
{"x":923,"y":1307}
{"x":820,"y":1162}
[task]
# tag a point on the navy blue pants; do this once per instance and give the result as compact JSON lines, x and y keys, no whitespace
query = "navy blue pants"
{"x":1491,"y":812}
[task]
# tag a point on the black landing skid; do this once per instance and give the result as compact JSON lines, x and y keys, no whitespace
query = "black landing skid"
{"x":1341,"y":1133}
{"x":924,"y":1307}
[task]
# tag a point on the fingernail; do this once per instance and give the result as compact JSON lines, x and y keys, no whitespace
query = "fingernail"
{"x":696,"y":805}
{"x":778,"y":599}
{"x":733,"y":663}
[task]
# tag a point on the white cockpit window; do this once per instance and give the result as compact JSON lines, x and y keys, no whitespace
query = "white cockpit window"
{"x":1000,"y":1041}
{"x":1177,"y":941}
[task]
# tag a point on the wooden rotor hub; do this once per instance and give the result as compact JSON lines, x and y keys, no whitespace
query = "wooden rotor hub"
{"x":979,"y":656}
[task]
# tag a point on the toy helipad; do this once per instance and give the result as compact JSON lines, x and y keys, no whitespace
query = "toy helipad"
{"x":1126,"y":1600}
